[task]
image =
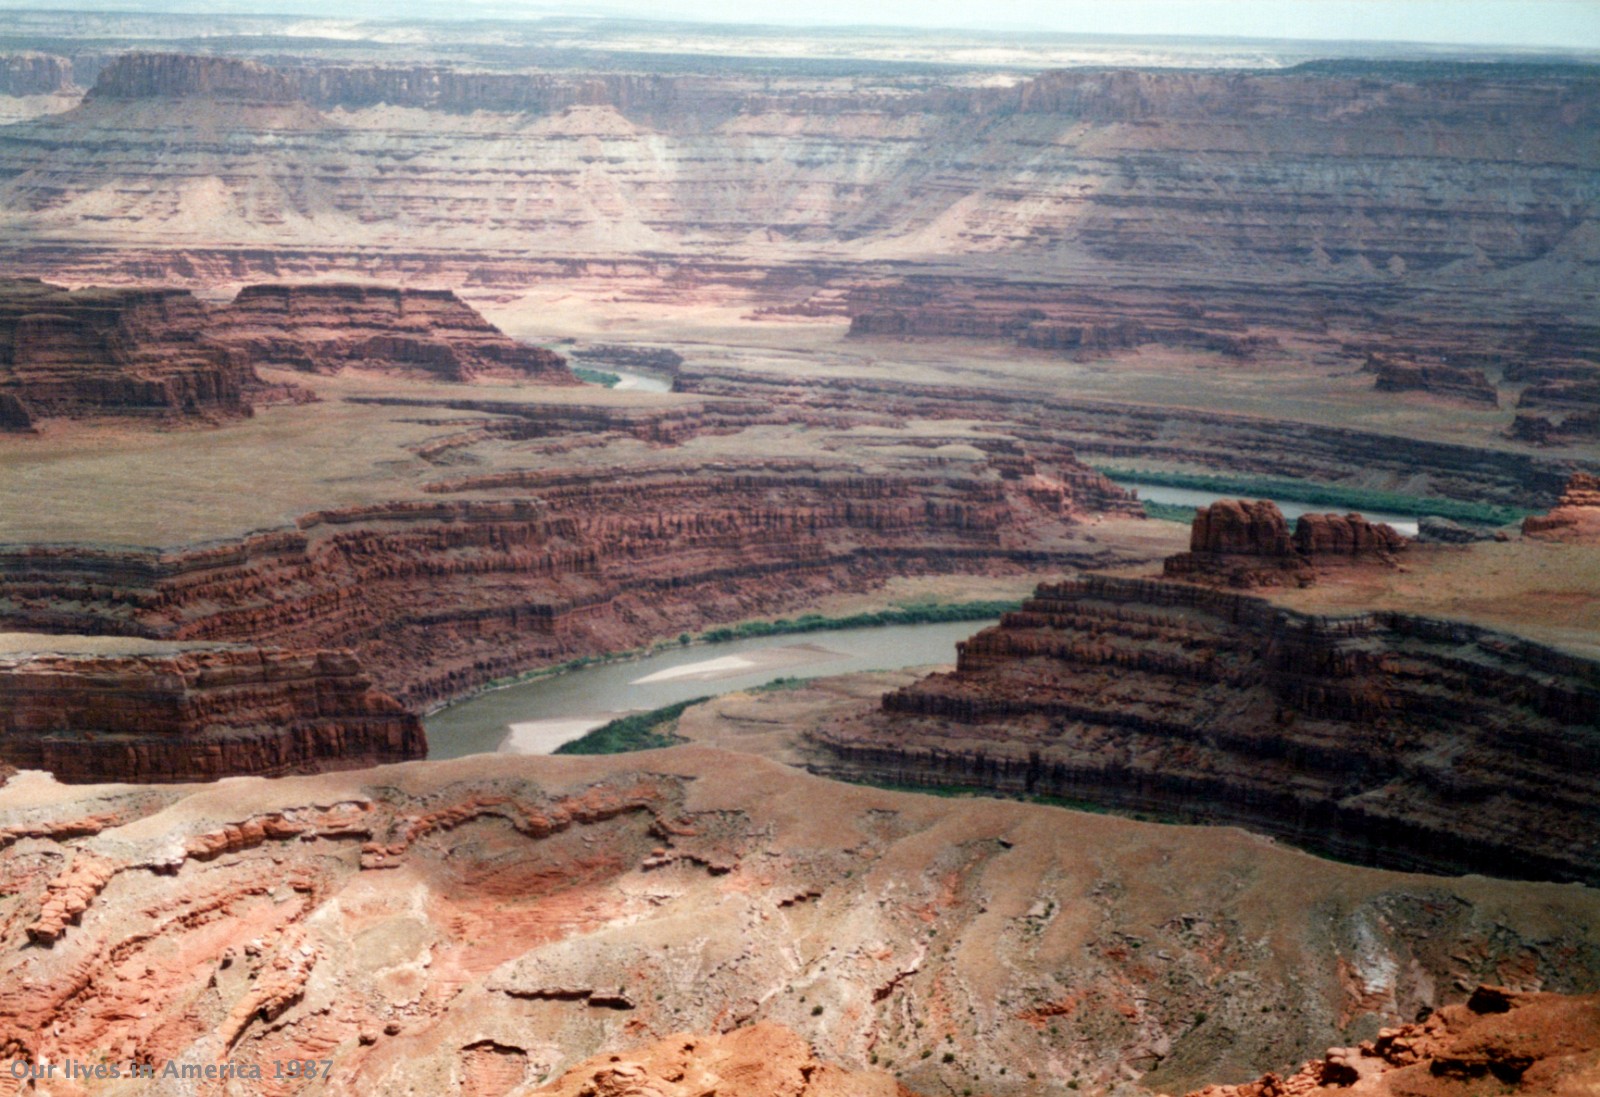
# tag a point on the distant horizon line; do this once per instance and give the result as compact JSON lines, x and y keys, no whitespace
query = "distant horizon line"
{"x":1009,"y":31}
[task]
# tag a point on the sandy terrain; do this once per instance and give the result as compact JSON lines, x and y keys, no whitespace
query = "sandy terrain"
{"x":407,"y":921}
{"x":544,"y":736}
{"x":732,"y":666}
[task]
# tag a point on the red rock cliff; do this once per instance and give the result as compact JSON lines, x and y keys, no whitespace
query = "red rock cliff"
{"x":1575,"y":518}
{"x":497,"y":573}
{"x":195,"y":715}
{"x":328,"y":327}
{"x":1245,"y":544}
{"x":187,"y":76}
{"x":34,"y":74}
{"x":1373,"y":738}
{"x":112,"y":351}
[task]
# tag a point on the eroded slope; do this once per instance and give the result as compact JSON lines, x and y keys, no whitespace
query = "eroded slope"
{"x":488,"y":924}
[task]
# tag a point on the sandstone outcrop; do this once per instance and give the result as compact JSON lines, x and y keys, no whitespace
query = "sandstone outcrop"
{"x":494,"y":925}
{"x":1541,"y":430}
{"x":763,"y":1060}
{"x":195,"y":714}
{"x":1245,"y":544}
{"x":1463,"y":383}
{"x":1575,"y":518}
{"x":34,"y":74}
{"x":491,"y":574}
{"x":328,"y":327}
{"x":1512,"y":1042}
{"x":1364,"y":737}
{"x":1571,"y":384}
{"x":161,"y":352}
{"x":112,"y":352}
{"x":188,"y":76}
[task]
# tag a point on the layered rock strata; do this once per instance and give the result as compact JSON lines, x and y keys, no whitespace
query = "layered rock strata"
{"x":1541,"y":430}
{"x":1371,"y":200}
{"x":1097,"y":161}
{"x":1443,"y":352}
{"x":34,"y":74}
{"x":1575,"y":518}
{"x":1383,"y":738}
{"x":491,"y":925}
{"x":161,"y":352}
{"x":112,"y":351}
{"x":1462,"y":383}
{"x":328,"y":327}
{"x":1246,"y":544}
{"x":136,"y":76}
{"x":1239,"y":443}
{"x":1055,"y":329}
{"x":501,"y":572}
{"x":195,"y":714}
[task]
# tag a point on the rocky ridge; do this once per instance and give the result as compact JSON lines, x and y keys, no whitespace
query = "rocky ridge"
{"x":490,"y":925}
{"x":504,"y":572}
{"x":195,"y":714}
{"x":1514,"y":1042}
{"x":328,"y":327}
{"x":1358,"y":736}
{"x":1183,"y":436}
{"x":112,"y":351}
{"x":1575,"y":518}
{"x":1241,"y":543}
{"x":160,"y":352}
{"x":1405,"y":374}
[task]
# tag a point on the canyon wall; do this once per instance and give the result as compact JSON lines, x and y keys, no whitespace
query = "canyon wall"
{"x":1575,"y":518}
{"x":112,"y":351}
{"x":327,"y":327}
{"x":509,"y":571}
{"x":1121,"y":434}
{"x":158,"y":352}
{"x":187,"y":76}
{"x":1195,"y":179}
{"x":195,"y":714}
{"x":1383,"y":738}
{"x":34,"y":74}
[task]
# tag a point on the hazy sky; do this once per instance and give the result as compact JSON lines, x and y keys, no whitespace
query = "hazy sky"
{"x":1569,"y":23}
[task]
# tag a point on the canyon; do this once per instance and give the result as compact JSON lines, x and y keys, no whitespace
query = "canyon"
{"x":1302,"y":221}
{"x":533,"y":521}
{"x":290,"y":454}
